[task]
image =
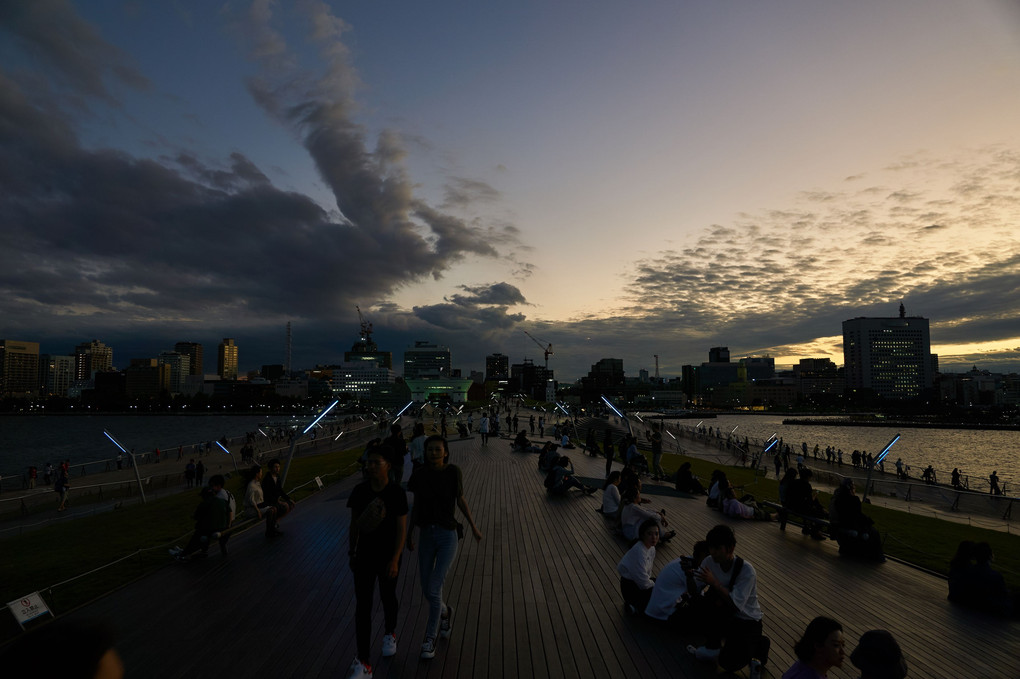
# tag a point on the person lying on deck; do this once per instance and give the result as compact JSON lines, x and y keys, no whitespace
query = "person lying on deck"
{"x":743,"y":508}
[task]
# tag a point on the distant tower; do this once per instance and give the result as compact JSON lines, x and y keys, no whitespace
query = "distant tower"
{"x":656,"y":367}
{"x":226,"y":363}
{"x":286,"y":363}
{"x":903,"y":311}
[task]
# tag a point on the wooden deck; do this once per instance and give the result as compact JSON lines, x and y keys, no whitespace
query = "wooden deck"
{"x":538,"y":597}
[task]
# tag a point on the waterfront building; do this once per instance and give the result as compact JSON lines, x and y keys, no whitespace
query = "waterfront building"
{"x":56,"y":374}
{"x":226,"y":359}
{"x":146,"y":378}
{"x":19,"y":368}
{"x":425,"y":360}
{"x":91,"y":358}
{"x":356,"y":379}
{"x":180,"y":368}
{"x":497,"y":367}
{"x":193,"y":350}
{"x":891,"y":357}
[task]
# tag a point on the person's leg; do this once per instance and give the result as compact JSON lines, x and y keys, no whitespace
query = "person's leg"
{"x":657,"y":463}
{"x":388,"y":595}
{"x":609,"y":462}
{"x":742,"y":640}
{"x":364,"y":583}
{"x":445,"y":549}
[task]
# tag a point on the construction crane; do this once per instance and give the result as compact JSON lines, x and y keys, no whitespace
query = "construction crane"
{"x":547,"y":350}
{"x":366,"y":327}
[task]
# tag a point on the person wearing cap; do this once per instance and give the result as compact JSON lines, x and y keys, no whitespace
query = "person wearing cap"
{"x":878,"y":656}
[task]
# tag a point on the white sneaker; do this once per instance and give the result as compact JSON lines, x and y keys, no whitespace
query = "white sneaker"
{"x":389,"y":645}
{"x":359,"y":670}
{"x":702,"y":653}
{"x":446,"y":624}
{"x":428,"y":649}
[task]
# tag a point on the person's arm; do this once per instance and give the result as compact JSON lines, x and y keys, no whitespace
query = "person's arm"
{"x":462,"y":503}
{"x":398,"y":546}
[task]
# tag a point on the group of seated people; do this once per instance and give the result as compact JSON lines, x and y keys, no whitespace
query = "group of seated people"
{"x":851,"y":527}
{"x":797,"y":495}
{"x":723,"y":496}
{"x":560,"y":478}
{"x":713,"y":594}
{"x":975,"y":584}
{"x":621,"y":502}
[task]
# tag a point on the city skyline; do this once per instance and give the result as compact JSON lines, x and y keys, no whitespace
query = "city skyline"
{"x":619,"y":184}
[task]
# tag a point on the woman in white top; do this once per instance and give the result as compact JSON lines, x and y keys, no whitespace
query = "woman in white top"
{"x":635,"y":568}
{"x":633,"y":515}
{"x":611,"y":495}
{"x":255,"y":505}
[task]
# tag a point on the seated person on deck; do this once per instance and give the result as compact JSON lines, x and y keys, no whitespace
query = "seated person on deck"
{"x":635,"y":568}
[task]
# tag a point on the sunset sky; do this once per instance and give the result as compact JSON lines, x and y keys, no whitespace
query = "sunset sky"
{"x":618,"y":179}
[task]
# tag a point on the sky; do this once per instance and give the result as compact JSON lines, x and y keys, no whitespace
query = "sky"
{"x":623,"y":180}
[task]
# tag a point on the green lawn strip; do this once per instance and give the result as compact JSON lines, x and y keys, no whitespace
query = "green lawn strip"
{"x":39,"y":559}
{"x":921,"y":540}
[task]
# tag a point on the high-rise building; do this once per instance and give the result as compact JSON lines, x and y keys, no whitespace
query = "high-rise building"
{"x":56,"y":373}
{"x":193,"y":350}
{"x":146,"y":378}
{"x":426,"y":360}
{"x":180,"y":368}
{"x":497,"y":367}
{"x":90,"y":358}
{"x":19,"y":368}
{"x":226,"y":359}
{"x":890,"y":356}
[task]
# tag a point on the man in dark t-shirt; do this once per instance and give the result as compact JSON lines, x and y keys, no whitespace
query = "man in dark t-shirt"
{"x":377,"y":534}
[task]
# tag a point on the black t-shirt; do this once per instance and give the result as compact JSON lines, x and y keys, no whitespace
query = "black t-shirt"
{"x":435,"y":495}
{"x":379,"y":542}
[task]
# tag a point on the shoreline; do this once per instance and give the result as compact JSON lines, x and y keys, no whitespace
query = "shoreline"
{"x":900,"y":424}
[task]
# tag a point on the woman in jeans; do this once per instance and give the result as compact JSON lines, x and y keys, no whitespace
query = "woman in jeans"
{"x":437,"y":487}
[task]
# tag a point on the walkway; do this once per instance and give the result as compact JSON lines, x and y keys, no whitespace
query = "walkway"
{"x":538,"y":597}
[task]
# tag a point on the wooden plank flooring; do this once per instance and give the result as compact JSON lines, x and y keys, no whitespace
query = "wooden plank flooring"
{"x":538,"y":597}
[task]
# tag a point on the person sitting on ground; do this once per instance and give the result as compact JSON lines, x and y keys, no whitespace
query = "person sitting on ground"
{"x":561,"y":478}
{"x":635,"y":568}
{"x":521,"y":444}
{"x":217,"y":482}
{"x":819,"y":650}
{"x":611,"y":496}
{"x":878,"y":656}
{"x":801,"y":498}
{"x":975,"y":584}
{"x":744,"y":508}
{"x":634,"y":459}
{"x":632,"y":515}
{"x":716,"y":486}
{"x":676,"y":597}
{"x":548,"y":457}
{"x":210,"y":519}
{"x":565,"y":441}
{"x":853,"y":529}
{"x":737,"y":618}
{"x":687,"y":482}
{"x":255,"y":505}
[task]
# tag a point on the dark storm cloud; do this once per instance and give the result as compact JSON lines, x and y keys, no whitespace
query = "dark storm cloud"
{"x":482,"y":308}
{"x":71,"y":50}
{"x":107,"y":244}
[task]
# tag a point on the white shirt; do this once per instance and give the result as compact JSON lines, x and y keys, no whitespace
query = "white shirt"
{"x":611,"y":499}
{"x":670,"y":586}
{"x":633,"y":516}
{"x":745,"y":589}
{"x":636,"y":565}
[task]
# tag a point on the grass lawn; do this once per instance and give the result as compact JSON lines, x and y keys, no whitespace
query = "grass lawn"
{"x":43,"y":559}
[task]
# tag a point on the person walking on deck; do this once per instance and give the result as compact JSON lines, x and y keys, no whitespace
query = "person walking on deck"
{"x":438,"y":487}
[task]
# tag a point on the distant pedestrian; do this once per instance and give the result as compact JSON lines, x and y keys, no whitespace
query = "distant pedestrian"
{"x":483,"y":428}
{"x":120,"y":460}
{"x":33,"y":473}
{"x":61,"y":487}
{"x":189,"y":473}
{"x":993,"y":482}
{"x":199,"y":472}
{"x":48,"y":474}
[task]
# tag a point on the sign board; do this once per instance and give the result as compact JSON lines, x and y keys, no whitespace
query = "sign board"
{"x":318,"y":482}
{"x":29,"y":607}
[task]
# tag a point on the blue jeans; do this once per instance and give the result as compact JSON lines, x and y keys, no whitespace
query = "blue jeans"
{"x":437,"y":548}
